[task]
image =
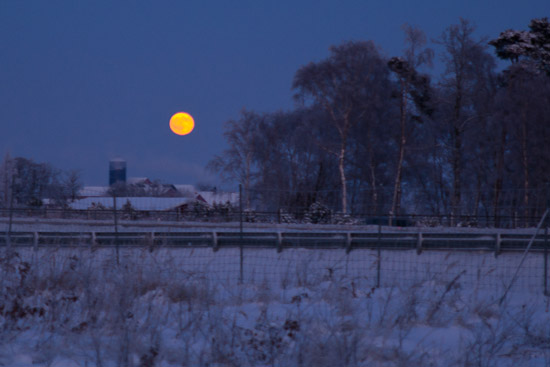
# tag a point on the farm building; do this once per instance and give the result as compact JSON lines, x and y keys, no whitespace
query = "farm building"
{"x":136,"y":203}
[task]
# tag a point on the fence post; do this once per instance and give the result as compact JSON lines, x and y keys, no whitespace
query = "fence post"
{"x":241,"y":255}
{"x":546,"y":261}
{"x":116,"y":229}
{"x":546,"y":293}
{"x":348,"y":242}
{"x":378,"y":269}
{"x":8,"y":238}
{"x":498,"y":241}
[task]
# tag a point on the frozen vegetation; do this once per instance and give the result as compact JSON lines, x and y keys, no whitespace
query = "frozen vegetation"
{"x":186,"y":307}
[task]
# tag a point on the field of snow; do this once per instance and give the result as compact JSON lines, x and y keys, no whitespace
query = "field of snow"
{"x":187,"y":307}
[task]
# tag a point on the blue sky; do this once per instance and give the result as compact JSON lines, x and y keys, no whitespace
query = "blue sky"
{"x":85,"y":81}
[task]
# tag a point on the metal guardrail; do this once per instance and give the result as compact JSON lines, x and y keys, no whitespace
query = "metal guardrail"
{"x":498,"y":242}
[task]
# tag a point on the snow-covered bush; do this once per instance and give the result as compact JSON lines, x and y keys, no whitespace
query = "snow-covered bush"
{"x":128,"y":211}
{"x":317,"y":213}
{"x":286,"y":217}
{"x":341,"y":218}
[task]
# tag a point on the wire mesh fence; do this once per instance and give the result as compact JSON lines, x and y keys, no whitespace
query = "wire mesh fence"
{"x":481,"y":261}
{"x":363,"y":268}
{"x":370,"y":250}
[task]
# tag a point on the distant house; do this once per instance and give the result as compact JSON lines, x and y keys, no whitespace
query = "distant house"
{"x":147,"y":189}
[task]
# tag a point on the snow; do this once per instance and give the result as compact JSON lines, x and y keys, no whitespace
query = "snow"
{"x":70,"y":306}
{"x":95,"y":191}
{"x":173,"y":307}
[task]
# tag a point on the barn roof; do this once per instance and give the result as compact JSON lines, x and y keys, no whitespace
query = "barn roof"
{"x":93,"y":191}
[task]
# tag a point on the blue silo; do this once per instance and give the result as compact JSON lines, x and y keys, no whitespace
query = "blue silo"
{"x":117,"y":171}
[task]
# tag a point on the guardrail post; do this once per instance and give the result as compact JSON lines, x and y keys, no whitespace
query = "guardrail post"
{"x":215,"y":247}
{"x":348,"y":243}
{"x":498,"y":241}
{"x":151,"y":239}
{"x":279,"y":242}
{"x":93,"y":241}
{"x":35,"y":240}
{"x":419,"y":242}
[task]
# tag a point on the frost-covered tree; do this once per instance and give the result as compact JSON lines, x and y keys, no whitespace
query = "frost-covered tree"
{"x":532,"y":45}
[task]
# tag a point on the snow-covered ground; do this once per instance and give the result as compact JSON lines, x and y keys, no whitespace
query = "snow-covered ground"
{"x":300,"y":307}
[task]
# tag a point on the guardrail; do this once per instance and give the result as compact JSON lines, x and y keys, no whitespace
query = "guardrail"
{"x":498,"y":242}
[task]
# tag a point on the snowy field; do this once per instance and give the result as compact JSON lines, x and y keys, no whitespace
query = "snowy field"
{"x":187,"y":307}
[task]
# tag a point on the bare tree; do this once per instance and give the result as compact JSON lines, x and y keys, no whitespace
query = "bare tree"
{"x":6,"y":172}
{"x":33,"y":182}
{"x":413,"y":87}
{"x":343,"y":86}
{"x":524,"y":98}
{"x":237,"y":162}
{"x":467,"y":67}
{"x":72,"y":184}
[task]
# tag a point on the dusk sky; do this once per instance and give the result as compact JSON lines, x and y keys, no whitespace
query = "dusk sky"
{"x":85,"y":81}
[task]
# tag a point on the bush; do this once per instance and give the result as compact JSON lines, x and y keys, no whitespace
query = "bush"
{"x":318,"y":213}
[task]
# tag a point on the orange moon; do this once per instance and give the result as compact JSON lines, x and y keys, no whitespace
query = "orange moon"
{"x":182,"y":123}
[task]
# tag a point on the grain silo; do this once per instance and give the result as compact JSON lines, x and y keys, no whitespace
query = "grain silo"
{"x":117,"y":171}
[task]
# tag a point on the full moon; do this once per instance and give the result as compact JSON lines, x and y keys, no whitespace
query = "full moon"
{"x":182,"y":123}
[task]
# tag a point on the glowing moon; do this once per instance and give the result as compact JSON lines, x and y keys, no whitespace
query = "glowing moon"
{"x":182,"y":123}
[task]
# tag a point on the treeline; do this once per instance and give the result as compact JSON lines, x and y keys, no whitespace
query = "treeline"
{"x":379,"y":136}
{"x":30,"y":184}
